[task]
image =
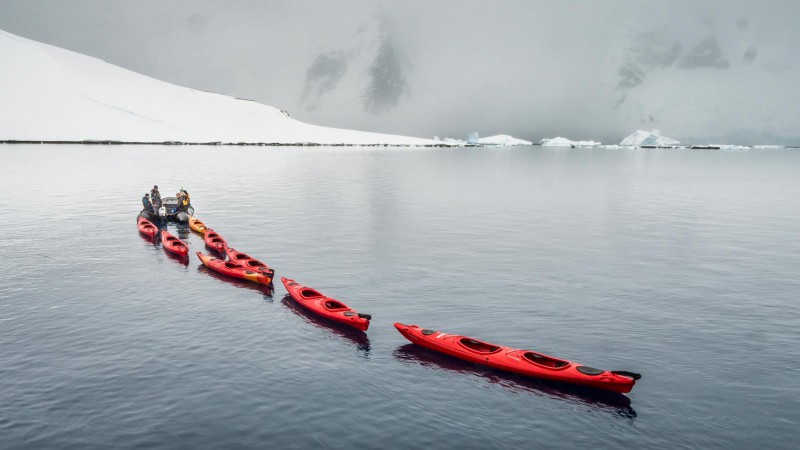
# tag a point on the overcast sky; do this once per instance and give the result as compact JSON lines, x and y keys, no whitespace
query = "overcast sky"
{"x":700,"y":71}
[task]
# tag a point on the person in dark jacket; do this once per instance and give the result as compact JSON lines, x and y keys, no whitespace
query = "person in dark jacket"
{"x":146,"y":203}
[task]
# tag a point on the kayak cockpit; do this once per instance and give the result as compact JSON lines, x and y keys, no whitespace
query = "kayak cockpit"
{"x":176,"y":243}
{"x":544,"y":360}
{"x":232,"y":265}
{"x":478,"y":346}
{"x":333,"y":305}
{"x":310,"y":293}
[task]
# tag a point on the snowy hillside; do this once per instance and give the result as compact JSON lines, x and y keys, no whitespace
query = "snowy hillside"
{"x":51,"y":94}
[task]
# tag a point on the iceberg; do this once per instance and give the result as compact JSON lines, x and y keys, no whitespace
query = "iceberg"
{"x":648,"y":138}
{"x":564,"y":142}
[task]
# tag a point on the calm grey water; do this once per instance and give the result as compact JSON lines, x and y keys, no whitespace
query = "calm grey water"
{"x":678,"y":264}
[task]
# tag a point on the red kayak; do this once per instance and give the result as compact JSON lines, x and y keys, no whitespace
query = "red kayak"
{"x":523,"y":362}
{"x":215,"y":241}
{"x":146,"y":227}
{"x":173,"y":244}
{"x":232,"y":269}
{"x":250,"y":262}
{"x":326,"y":307}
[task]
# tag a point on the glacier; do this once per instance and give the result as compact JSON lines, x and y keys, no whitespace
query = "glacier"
{"x":52,"y":94}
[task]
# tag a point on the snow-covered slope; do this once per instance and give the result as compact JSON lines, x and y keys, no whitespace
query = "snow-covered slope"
{"x":51,"y":94}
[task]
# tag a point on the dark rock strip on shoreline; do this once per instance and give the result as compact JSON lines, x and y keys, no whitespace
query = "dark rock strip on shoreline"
{"x":261,"y":144}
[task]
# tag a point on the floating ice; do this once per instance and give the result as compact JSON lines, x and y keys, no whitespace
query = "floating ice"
{"x":500,"y":140}
{"x":564,"y":142}
{"x":726,"y":147}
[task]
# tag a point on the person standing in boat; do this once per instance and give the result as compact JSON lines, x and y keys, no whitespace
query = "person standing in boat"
{"x":155,"y":198}
{"x":146,"y":203}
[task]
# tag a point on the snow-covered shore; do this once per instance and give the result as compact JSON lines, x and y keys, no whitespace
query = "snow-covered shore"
{"x":55,"y":95}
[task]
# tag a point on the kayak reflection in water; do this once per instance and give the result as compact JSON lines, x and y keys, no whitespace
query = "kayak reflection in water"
{"x":614,"y":403}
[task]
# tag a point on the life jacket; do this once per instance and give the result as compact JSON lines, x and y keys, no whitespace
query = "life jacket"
{"x":185,"y":198}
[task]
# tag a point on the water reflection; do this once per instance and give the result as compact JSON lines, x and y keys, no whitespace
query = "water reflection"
{"x":151,"y":240}
{"x":183,"y":231}
{"x":617,"y":404}
{"x":214,"y":251}
{"x":357,"y":337}
{"x":265,"y":290}
{"x":182,"y":260}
